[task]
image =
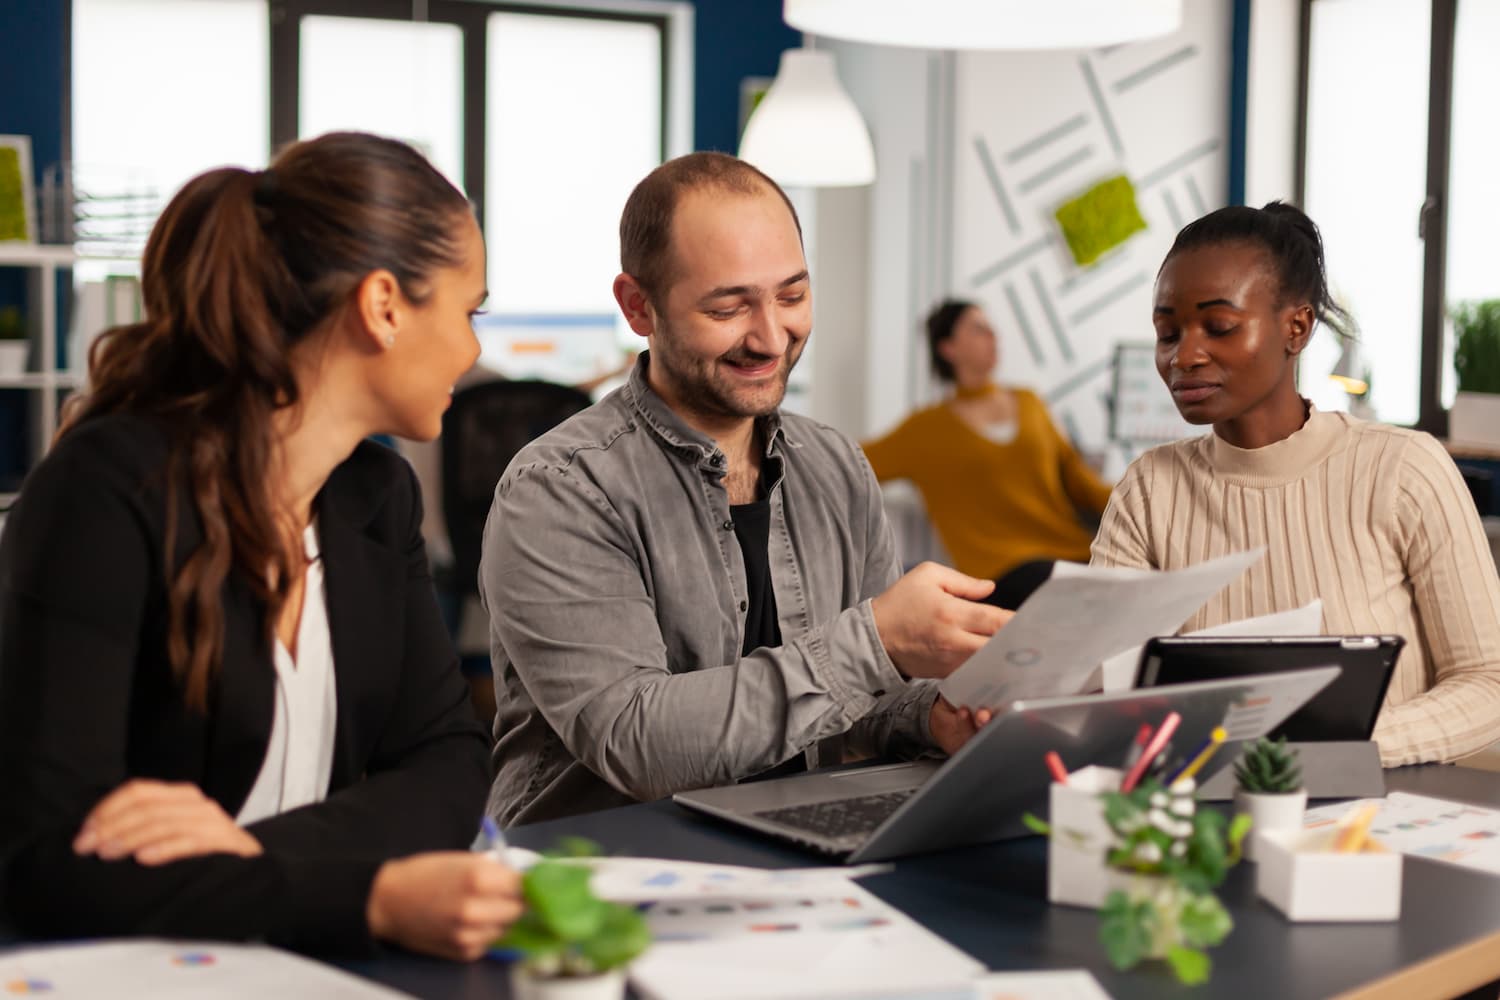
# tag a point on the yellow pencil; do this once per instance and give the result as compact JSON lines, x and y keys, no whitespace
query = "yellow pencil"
{"x":1214,"y":741}
{"x":1351,"y":838}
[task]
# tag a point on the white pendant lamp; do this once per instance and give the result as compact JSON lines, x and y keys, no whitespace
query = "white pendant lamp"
{"x":806,"y":131}
{"x":986,"y":24}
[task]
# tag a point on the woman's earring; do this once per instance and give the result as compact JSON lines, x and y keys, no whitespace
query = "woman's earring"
{"x":390,"y":340}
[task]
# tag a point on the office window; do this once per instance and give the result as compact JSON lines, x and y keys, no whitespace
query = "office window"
{"x":1365,"y":181}
{"x":557,"y":173}
{"x":1473,"y":197}
{"x":403,"y":79}
{"x":162,"y":90}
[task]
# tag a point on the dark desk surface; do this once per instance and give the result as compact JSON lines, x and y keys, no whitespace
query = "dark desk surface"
{"x":991,"y":902}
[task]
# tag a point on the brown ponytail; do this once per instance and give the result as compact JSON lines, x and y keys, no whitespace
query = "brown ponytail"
{"x":240,"y":268}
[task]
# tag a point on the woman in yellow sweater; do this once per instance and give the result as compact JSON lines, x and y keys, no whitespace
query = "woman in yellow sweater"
{"x":1002,"y":487}
{"x":1374,"y":520}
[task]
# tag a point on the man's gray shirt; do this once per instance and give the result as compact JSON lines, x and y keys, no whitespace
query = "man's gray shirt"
{"x":616,"y":593}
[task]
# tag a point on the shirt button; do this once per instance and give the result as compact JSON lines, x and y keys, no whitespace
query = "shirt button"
{"x":744,"y":605}
{"x":728,"y":525}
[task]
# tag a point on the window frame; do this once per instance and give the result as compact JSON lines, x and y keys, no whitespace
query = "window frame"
{"x":472,"y":19}
{"x":1432,"y":214}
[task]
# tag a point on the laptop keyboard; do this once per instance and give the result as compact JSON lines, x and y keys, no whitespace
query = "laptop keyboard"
{"x":840,"y":818}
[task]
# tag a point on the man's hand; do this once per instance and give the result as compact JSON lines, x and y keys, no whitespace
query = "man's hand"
{"x":952,"y":727}
{"x":929,"y":622}
{"x":157,"y":822}
{"x":450,"y":904}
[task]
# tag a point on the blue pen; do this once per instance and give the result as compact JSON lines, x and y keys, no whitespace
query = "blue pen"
{"x":494,"y":840}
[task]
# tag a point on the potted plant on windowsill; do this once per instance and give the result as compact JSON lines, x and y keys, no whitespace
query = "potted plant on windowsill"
{"x":1475,"y":416}
{"x":1168,"y":857}
{"x":575,"y":946}
{"x":1270,"y":792}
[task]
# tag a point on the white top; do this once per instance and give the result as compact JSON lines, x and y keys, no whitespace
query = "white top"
{"x":299,"y":754}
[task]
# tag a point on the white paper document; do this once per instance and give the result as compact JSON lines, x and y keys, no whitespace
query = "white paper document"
{"x":1080,"y":616}
{"x":844,"y":943}
{"x":1424,"y":827}
{"x":1068,"y":984}
{"x":1118,"y":671}
{"x":168,"y":970}
{"x":649,"y":880}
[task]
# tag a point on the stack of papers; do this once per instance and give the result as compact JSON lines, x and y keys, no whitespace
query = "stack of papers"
{"x":726,"y":932}
{"x":1080,"y":616}
{"x":164,"y":970}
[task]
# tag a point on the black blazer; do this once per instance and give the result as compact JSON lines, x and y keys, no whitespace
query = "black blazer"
{"x":87,"y":701}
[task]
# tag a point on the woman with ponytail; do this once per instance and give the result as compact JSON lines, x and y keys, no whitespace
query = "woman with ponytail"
{"x":228,"y":706}
{"x":1373,"y":520}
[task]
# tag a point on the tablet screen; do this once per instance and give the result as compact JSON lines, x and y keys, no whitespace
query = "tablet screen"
{"x":1345,"y":710}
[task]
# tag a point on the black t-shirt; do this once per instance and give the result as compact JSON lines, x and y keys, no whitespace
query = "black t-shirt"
{"x":752,"y":528}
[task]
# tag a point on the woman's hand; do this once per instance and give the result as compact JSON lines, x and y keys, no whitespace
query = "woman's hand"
{"x":452,"y":904}
{"x":157,"y":822}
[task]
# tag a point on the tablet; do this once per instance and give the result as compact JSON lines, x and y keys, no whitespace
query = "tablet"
{"x":1345,"y":710}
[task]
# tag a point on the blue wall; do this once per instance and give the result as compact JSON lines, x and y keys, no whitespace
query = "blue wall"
{"x":734,"y":39}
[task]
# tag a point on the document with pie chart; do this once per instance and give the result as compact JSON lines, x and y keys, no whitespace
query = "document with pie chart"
{"x":1080,"y":616}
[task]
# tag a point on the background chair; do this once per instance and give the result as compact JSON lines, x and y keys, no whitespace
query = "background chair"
{"x":483,"y":430}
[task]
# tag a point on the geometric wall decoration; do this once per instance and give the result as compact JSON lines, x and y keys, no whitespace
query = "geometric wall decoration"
{"x":1138,"y":129}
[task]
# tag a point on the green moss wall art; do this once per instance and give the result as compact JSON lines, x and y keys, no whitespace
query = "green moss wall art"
{"x":1100,"y":219}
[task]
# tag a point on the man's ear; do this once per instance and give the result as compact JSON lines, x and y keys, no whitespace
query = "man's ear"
{"x":635,"y":305}
{"x":1299,"y":327}
{"x":379,"y":302}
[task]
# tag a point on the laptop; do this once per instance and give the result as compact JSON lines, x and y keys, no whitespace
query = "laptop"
{"x":1331,"y":732}
{"x":980,"y":793}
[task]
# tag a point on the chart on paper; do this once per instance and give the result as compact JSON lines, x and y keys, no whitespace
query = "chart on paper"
{"x":1424,"y":827}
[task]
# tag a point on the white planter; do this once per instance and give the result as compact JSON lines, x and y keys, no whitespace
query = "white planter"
{"x":1475,"y":418}
{"x":1300,"y":876}
{"x":605,"y":986}
{"x":1080,"y":837}
{"x":1281,"y":812}
{"x":13,"y":355}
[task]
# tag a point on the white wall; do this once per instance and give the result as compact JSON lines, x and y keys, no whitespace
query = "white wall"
{"x":1037,"y":128}
{"x":1271,"y":102}
{"x":953,"y":132}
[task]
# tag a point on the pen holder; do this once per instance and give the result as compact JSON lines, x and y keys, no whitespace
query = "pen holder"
{"x":1076,"y":873}
{"x":1300,"y":876}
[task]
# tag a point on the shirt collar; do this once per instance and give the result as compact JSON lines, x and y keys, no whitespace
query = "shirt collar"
{"x":678,"y":435}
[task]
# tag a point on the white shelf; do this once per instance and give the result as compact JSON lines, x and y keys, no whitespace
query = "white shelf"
{"x":36,"y":255}
{"x":42,"y":380}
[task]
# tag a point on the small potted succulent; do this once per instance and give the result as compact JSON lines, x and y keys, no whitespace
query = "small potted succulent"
{"x":1270,"y":791}
{"x":574,"y":945}
{"x":1167,"y":858}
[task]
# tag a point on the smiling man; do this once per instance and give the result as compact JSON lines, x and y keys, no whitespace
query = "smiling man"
{"x":686,"y":586}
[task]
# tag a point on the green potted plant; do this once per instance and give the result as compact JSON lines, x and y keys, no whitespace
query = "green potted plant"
{"x":574,"y":945}
{"x":1475,"y":416}
{"x":14,"y":345}
{"x":1168,"y":857}
{"x":1269,"y":788}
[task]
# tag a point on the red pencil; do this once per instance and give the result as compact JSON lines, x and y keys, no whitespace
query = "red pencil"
{"x":1055,"y":765}
{"x":1163,"y":733}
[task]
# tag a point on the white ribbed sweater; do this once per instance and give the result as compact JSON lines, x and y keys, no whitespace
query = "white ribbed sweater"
{"x":1375,"y":520}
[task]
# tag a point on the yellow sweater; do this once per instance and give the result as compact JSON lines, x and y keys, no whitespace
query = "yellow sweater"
{"x":1374,"y":520}
{"x":995,"y":506}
